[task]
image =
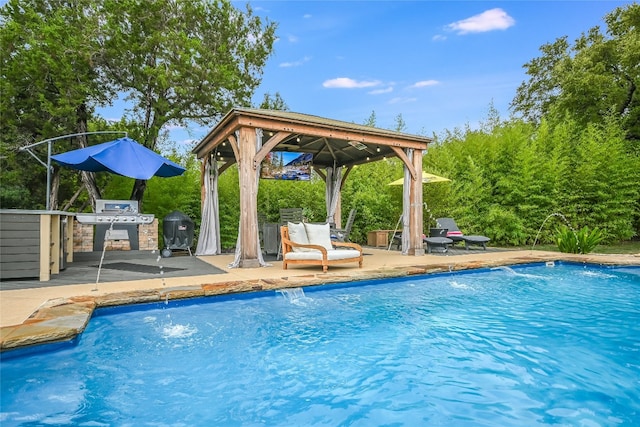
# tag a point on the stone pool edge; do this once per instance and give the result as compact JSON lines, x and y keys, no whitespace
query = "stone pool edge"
{"x":63,"y":319}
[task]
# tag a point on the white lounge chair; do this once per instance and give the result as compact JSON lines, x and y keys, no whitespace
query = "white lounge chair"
{"x":311,"y":244}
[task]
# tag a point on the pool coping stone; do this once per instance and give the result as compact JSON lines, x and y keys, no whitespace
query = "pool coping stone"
{"x":63,"y":319}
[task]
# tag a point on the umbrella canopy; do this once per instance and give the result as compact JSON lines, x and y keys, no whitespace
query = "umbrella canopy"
{"x":124,"y":156}
{"x":427,"y":178}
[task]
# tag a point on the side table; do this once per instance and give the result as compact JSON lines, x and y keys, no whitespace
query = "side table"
{"x":437,"y":242}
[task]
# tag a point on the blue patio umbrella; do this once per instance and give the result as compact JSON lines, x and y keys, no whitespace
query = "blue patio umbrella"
{"x":124,"y":156}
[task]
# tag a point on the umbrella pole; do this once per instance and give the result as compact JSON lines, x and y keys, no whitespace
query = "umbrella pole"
{"x":394,"y":233}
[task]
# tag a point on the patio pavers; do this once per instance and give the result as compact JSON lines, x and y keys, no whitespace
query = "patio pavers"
{"x":54,"y":313}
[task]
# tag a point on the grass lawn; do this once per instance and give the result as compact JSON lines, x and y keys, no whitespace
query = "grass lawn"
{"x":630,"y":247}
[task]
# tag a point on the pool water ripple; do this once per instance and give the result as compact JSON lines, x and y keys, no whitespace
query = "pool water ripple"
{"x":528,"y":346}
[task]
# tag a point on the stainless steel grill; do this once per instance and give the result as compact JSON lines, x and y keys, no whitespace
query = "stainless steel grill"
{"x":115,"y":212}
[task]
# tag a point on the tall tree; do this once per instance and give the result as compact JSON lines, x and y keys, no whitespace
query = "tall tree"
{"x":371,"y":120}
{"x":50,"y":81}
{"x":400,"y":124}
{"x":183,"y":60}
{"x":274,"y":102}
{"x":595,"y":77}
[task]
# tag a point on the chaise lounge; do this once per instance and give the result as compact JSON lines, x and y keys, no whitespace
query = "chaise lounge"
{"x":454,"y":233}
{"x":304,"y":243}
{"x":437,"y":239}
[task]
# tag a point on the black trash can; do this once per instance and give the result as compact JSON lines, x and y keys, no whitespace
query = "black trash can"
{"x":178,"y":233}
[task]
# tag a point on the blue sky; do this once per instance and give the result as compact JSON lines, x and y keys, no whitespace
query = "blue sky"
{"x":440,"y":64}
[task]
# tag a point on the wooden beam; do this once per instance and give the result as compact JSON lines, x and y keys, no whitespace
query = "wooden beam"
{"x":407,"y":162}
{"x":320,"y":130}
{"x":345,"y":175}
{"x":234,"y":146}
{"x":320,"y":172}
{"x":226,"y":166}
{"x":326,"y":144}
{"x":212,"y":140}
{"x":268,"y":146}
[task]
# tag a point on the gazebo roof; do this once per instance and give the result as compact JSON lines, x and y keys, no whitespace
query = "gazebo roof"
{"x":331,"y":142}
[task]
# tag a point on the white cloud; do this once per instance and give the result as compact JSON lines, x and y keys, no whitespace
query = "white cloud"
{"x":292,"y":39}
{"x":439,"y":38}
{"x":493,"y":19}
{"x":400,"y":100}
{"x":296,"y":63}
{"x":306,"y":16}
{"x":425,"y":83}
{"x":381,"y":91}
{"x":347,"y":83}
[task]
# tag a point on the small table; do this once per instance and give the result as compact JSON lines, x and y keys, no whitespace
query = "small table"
{"x":440,"y":242}
{"x":475,"y":240}
{"x":378,"y":238}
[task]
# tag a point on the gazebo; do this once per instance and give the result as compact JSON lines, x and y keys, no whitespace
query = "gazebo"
{"x":245,"y":136}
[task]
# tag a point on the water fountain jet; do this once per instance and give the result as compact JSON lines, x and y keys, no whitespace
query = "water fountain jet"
{"x":559,"y":215}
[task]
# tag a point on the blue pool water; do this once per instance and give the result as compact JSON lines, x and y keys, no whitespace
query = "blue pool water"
{"x":527,"y":346}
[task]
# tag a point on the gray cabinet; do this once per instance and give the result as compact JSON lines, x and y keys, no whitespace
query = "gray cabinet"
{"x":34,"y":243}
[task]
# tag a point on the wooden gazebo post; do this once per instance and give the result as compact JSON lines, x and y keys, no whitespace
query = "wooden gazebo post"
{"x":416,"y":245}
{"x":248,"y":198}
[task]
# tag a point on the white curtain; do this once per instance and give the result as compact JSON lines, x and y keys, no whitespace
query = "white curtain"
{"x":236,"y":260}
{"x":209,"y":238}
{"x":332,"y":191}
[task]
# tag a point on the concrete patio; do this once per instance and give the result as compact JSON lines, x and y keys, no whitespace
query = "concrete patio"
{"x":39,"y":312}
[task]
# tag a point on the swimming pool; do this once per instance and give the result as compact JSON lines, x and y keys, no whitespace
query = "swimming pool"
{"x":532,"y":345}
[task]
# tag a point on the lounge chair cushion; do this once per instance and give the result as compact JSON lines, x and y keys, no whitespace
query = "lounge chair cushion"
{"x":298,"y":234}
{"x":319,"y":234}
{"x":313,"y":254}
{"x":320,"y":248}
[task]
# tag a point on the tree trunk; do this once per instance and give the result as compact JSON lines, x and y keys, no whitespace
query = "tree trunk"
{"x":72,"y":200}
{"x":138,"y":192}
{"x":55,"y":186}
{"x":88,"y":178}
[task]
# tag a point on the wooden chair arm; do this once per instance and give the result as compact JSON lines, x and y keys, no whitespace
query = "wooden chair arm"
{"x":348,"y":245}
{"x":301,"y":245}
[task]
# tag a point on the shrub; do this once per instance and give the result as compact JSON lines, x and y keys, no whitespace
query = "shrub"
{"x":582,"y":241}
{"x":502,"y":225}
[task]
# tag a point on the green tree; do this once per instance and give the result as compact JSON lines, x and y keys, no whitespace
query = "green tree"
{"x":379,"y":205}
{"x":596,"y":76}
{"x":177,"y":61}
{"x":273,"y":102}
{"x":50,"y":83}
{"x":371,"y":120}
{"x":400,"y":124}
{"x":508,"y":177}
{"x":183,"y":60}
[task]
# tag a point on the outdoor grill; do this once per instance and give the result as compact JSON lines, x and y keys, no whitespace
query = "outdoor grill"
{"x":121,"y":216}
{"x":178,"y":232}
{"x":115,"y":212}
